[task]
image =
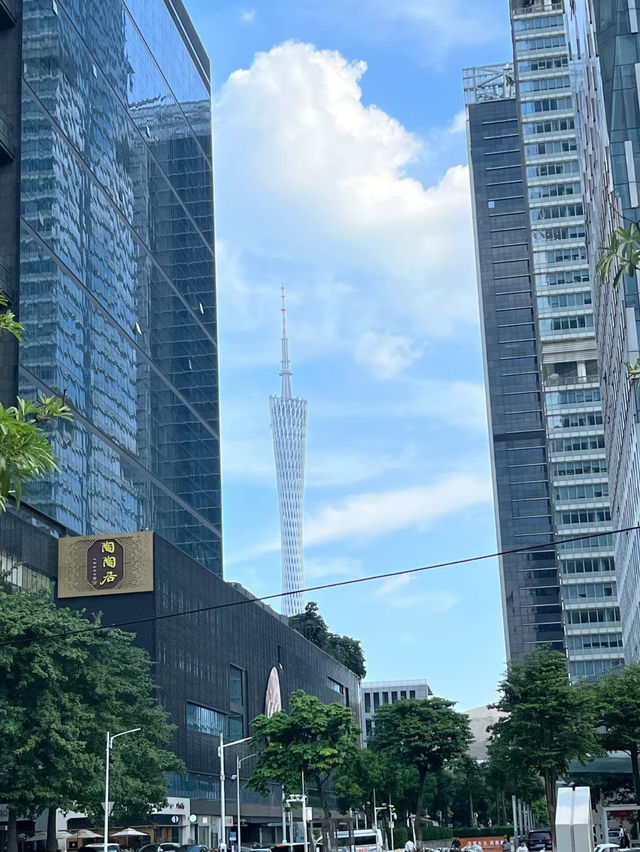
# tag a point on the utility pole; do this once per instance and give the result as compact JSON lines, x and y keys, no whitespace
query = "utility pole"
{"x":110,"y":740}
{"x":223,"y":804}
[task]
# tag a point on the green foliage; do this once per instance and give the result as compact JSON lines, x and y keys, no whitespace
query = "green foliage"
{"x":58,"y":698}
{"x":347,"y":651}
{"x":314,"y":738}
{"x":621,"y":256}
{"x":425,"y":734}
{"x":619,"y":694}
{"x":8,"y":320}
{"x":344,"y":649}
{"x":549,"y":722}
{"x":25,"y":453}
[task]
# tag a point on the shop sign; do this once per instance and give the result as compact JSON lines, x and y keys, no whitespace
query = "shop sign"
{"x":116,"y":564}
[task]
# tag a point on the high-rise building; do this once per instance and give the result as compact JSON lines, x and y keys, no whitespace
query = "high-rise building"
{"x":546,"y":316}
{"x":106,"y":254}
{"x":289,"y":427}
{"x":610,"y":142}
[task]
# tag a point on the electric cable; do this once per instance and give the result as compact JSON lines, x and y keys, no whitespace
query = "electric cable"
{"x":337,"y":584}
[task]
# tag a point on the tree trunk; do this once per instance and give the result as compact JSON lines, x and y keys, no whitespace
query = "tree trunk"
{"x":421,"y":779}
{"x":323,"y":799}
{"x":12,"y":833}
{"x":635,"y":771}
{"x":550,"y":793}
{"x":52,"y":840}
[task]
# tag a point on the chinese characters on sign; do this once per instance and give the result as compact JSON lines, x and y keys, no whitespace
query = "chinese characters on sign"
{"x":110,"y":564}
{"x":105,"y":564}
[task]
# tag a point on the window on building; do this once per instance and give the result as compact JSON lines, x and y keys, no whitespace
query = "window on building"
{"x":336,"y":686}
{"x":213,"y":722}
{"x":236,"y":686}
{"x":368,"y":726}
{"x":376,"y":700}
{"x":412,"y":693}
{"x":385,"y":697}
{"x":367,"y":702}
{"x":403,"y":693}
{"x":394,"y":696}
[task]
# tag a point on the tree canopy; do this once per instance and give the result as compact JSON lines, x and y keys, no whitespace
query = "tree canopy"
{"x":619,"y":693}
{"x":549,"y":722}
{"x":313,"y":738}
{"x":344,"y":649}
{"x":61,"y":689}
{"x":427,"y":734}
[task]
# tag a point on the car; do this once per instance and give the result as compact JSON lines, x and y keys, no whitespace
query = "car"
{"x":159,"y":847}
{"x":99,"y":847}
{"x":606,"y":847}
{"x":539,"y":839}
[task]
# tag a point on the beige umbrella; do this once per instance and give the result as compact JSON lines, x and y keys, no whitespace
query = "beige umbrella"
{"x":86,"y":833}
{"x":39,"y":835}
{"x":130,"y":832}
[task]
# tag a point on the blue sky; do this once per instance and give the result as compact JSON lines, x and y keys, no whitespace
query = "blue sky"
{"x":340,"y":162}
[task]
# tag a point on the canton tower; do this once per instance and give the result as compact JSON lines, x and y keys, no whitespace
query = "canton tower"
{"x":289,"y":427}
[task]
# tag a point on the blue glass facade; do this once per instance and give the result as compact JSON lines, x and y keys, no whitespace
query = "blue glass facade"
{"x":116,"y":272}
{"x":530,"y":583}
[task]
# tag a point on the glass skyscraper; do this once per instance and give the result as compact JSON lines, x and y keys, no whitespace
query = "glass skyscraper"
{"x":111,"y":265}
{"x":605,"y":45}
{"x":544,"y":255}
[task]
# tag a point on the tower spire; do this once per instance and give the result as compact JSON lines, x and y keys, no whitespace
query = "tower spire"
{"x":286,"y":371}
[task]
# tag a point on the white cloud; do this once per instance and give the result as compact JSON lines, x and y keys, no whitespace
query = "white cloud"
{"x":385,"y":355}
{"x":458,"y":123}
{"x":310,"y":178}
{"x":248,"y":16}
{"x":368,"y":516}
{"x":371,"y":515}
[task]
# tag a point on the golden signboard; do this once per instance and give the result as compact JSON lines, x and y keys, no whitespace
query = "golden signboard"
{"x":105,"y":565}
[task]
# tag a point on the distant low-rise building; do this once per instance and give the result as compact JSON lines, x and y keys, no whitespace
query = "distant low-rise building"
{"x":377,"y":692}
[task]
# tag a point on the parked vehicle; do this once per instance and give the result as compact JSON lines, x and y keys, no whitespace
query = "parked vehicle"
{"x":606,"y":847}
{"x":159,"y":847}
{"x":99,"y":847}
{"x":539,"y":839}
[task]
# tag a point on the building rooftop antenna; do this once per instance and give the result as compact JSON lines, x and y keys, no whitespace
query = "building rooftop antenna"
{"x":286,"y":371}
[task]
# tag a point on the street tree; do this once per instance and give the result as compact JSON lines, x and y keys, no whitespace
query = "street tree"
{"x":619,"y":693}
{"x":427,"y":734}
{"x":315,"y":738}
{"x":25,"y":452}
{"x":369,"y":771}
{"x":548,"y":721}
{"x":62,"y":687}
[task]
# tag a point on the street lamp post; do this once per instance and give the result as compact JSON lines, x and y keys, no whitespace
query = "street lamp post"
{"x":110,"y":740}
{"x":223,"y":808}
{"x":239,"y":762}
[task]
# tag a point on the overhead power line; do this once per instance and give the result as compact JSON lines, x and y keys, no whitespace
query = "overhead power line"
{"x":548,"y":545}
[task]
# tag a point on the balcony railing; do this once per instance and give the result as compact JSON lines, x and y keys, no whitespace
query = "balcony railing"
{"x":535,"y":7}
{"x":556,"y":381}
